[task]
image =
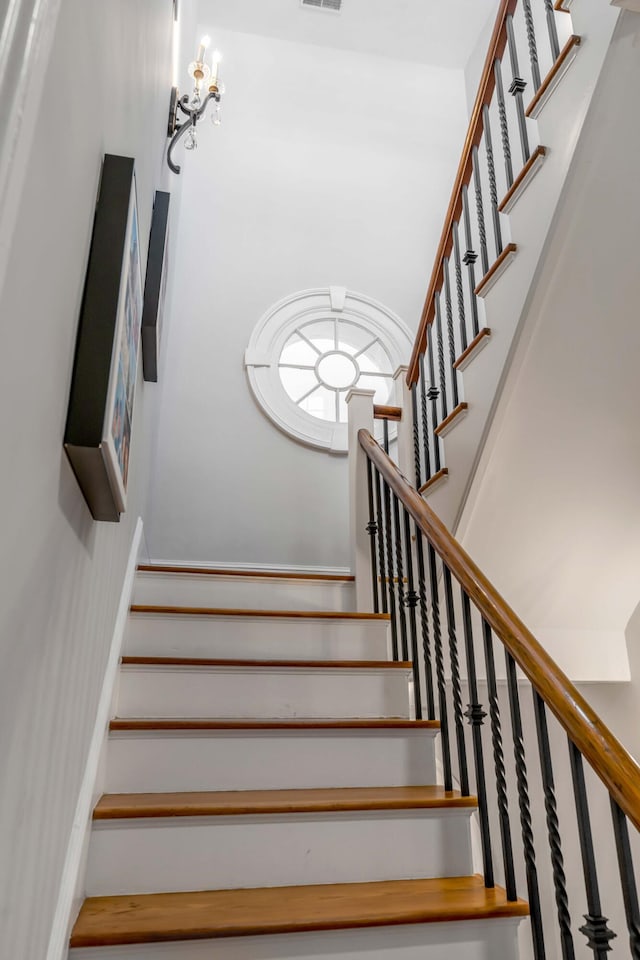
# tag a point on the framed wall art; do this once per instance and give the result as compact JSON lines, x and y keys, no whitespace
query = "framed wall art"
{"x":97,"y":436}
{"x":155,"y":286}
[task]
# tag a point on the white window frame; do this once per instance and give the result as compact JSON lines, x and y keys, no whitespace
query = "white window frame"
{"x":274,"y":328}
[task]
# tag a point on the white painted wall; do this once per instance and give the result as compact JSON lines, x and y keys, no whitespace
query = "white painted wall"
{"x":475,"y":63}
{"x":61,"y":574}
{"x":554,"y":517}
{"x":330,"y":168}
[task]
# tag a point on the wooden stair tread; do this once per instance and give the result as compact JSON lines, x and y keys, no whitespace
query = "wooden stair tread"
{"x":240,"y":612}
{"x":261,"y":574}
{"x":120,"y":806}
{"x":290,"y":664}
{"x":212,"y":723}
{"x":152,"y":918}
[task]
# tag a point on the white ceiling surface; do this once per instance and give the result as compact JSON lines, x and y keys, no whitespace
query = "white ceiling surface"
{"x":555,"y":518}
{"x":437,"y":32}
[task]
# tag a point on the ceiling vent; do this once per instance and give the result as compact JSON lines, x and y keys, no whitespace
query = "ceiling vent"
{"x":323,"y":4}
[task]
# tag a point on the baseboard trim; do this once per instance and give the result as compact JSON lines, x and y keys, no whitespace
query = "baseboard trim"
{"x":68,"y":903}
{"x":292,"y":568}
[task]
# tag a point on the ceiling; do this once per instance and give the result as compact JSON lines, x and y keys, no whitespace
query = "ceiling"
{"x":437,"y":32}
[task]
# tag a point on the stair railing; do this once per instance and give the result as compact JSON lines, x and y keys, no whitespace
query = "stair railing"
{"x":439,"y":603}
{"x":451,"y":329}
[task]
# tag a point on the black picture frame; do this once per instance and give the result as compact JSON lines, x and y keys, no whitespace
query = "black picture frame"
{"x":155,"y":286}
{"x":97,"y":436}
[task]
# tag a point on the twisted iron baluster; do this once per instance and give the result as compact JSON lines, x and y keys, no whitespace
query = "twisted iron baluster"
{"x":432,"y":394}
{"x":469,"y":259}
{"x":400,"y":572}
{"x":450,"y":336}
{"x":493,"y":188}
{"x":380,"y":522}
{"x":455,"y":683}
{"x":595,"y":928}
{"x":555,"y":845}
{"x":459,"y":291}
{"x":552,"y":28}
{"x":425,"y":419}
{"x":482,"y":233}
{"x":516,"y":89}
{"x":390,"y":570}
{"x":411,"y":601}
{"x":525,"y":810}
{"x":531,"y":40}
{"x":441,"y":367}
{"x":627,"y":877}
{"x":442,"y":690}
{"x":498,"y":761}
{"x":424,"y":622}
{"x":416,"y":434}
{"x":504,"y":126}
{"x":475,"y":714}
{"x":372,"y":529}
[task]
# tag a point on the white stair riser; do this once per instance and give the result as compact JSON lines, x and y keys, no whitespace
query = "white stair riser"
{"x":471,"y":940}
{"x":258,"y":638}
{"x":179,"y":854}
{"x":258,"y":593}
{"x":262,"y":692}
{"x":269,"y":760}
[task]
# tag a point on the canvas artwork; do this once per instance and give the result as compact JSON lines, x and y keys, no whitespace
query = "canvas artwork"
{"x":100,"y":415}
{"x":125,"y":364}
{"x":128,"y":339}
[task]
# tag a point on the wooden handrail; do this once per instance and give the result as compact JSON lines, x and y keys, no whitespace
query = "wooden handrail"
{"x":382,"y":412}
{"x":474,"y":134}
{"x":615,"y":767}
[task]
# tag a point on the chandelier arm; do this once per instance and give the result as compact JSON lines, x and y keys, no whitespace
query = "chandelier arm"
{"x":180,"y":132}
{"x":194,"y":116}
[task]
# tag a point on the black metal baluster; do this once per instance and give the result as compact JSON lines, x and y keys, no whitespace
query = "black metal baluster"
{"x":459,"y":292}
{"x":442,"y":690}
{"x":493,"y":189}
{"x":432,"y":394}
{"x":400,"y":573}
{"x":475,"y":715}
{"x":516,"y":89}
{"x":385,"y":436}
{"x":627,"y":877}
{"x":441,"y":367}
{"x":504,"y":126}
{"x":372,"y":529}
{"x":424,"y":623}
{"x":553,"y":30}
{"x":450,"y":336}
{"x":380,"y":522}
{"x":390,"y":570}
{"x":425,"y":420}
{"x":484,"y":255}
{"x":455,"y":683}
{"x":525,"y":809}
{"x":416,"y":434}
{"x":498,"y":761}
{"x":555,"y":846}
{"x":531,"y":40}
{"x":595,"y":929}
{"x":411,"y":601}
{"x":469,"y":259}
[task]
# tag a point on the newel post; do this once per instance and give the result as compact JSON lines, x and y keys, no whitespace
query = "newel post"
{"x":360,"y":415}
{"x":402,"y":392}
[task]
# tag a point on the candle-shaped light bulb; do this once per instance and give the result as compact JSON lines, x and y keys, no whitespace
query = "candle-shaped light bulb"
{"x":216,"y":57}
{"x":202,"y":49}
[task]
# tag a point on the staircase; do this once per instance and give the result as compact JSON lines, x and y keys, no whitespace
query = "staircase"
{"x":270,"y":792}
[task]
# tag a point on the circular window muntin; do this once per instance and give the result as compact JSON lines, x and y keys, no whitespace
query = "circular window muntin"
{"x":276,"y":327}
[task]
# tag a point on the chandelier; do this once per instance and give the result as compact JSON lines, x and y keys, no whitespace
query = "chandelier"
{"x":194,"y":105}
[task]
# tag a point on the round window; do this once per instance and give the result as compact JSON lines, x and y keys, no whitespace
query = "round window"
{"x":308,"y":351}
